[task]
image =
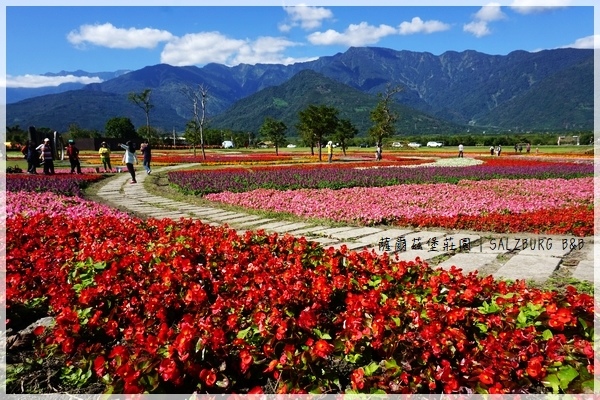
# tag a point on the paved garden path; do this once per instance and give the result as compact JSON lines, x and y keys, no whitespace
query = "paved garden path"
{"x":502,"y":255}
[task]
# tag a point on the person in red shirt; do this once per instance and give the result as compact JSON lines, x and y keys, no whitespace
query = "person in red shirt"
{"x":73,"y":153}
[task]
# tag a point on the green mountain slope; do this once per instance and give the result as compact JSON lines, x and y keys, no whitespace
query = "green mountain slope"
{"x":285,"y":101}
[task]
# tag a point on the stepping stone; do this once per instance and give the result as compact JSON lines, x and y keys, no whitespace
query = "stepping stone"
{"x":422,"y":238}
{"x":539,"y":246}
{"x":351,"y":246}
{"x":234,"y":216}
{"x":244,"y":219}
{"x":210,"y":211}
{"x":312,"y":229}
{"x":538,"y":268}
{"x":256,"y":222}
{"x":468,"y":262}
{"x":322,"y":240}
{"x":495,"y":246}
{"x":290,"y":227}
{"x":355,"y":233}
{"x":584,"y":271}
{"x":222,"y":216}
{"x":460,"y":241}
{"x":274,"y":225}
{"x":331,"y":231}
{"x":410,"y":255}
{"x":393,"y":234}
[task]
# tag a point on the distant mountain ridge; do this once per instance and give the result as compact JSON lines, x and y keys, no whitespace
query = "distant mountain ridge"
{"x":14,"y":95}
{"x":547,"y":90}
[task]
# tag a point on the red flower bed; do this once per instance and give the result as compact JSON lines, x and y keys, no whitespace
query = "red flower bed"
{"x":165,"y":307}
{"x":577,"y":220}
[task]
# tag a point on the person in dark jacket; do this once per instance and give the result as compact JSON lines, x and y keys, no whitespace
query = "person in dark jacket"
{"x":73,"y":153}
{"x":33,"y":158}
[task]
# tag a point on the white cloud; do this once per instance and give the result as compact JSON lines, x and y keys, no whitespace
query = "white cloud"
{"x":585,"y":43}
{"x":536,"y":6}
{"x":356,"y":35}
{"x":107,"y":35}
{"x":307,"y":17}
{"x":477,"y":28}
{"x":486,"y":14}
{"x":200,"y":48}
{"x":264,"y":50}
{"x":490,"y":12}
{"x":37,"y":81}
{"x":417,"y":25}
{"x":206,"y":47}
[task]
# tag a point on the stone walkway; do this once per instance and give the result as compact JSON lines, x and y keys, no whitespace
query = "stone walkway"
{"x":514,"y":256}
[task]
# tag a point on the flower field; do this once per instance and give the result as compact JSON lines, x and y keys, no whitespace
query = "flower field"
{"x":481,"y":202}
{"x":162,"y":306}
{"x":351,"y":175}
{"x":497,"y":196}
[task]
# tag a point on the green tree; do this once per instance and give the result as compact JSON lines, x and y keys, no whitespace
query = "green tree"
{"x":120,"y":127}
{"x":316,"y":122}
{"x":344,"y":133}
{"x":14,"y":134}
{"x":274,"y":131}
{"x":151,"y":133}
{"x":383,"y":118}
{"x":76,"y":132}
{"x":192,"y":134}
{"x":142,"y":100}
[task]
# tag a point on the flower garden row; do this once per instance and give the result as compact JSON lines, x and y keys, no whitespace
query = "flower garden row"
{"x":339,"y":176}
{"x":163,"y":306}
{"x":498,"y":196}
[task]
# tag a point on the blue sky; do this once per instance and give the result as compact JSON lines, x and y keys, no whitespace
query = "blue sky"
{"x":63,"y":37}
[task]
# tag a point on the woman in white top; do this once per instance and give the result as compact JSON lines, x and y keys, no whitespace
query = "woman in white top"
{"x":129,"y":158}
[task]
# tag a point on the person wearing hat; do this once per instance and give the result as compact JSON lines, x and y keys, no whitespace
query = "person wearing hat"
{"x":329,"y":151}
{"x":73,"y":153}
{"x":105,"y":157}
{"x":46,"y":156}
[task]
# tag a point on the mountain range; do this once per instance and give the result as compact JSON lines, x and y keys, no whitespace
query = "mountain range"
{"x":546,"y":90}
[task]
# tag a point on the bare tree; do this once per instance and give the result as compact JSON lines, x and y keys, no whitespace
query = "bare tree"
{"x":198,"y":98}
{"x":142,"y":100}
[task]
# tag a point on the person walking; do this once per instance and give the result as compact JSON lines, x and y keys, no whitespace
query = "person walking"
{"x":46,"y":156}
{"x":329,"y":151}
{"x":147,"y":155}
{"x":73,"y":153}
{"x":461,"y":148}
{"x":499,"y":150}
{"x":378,"y":152}
{"x":33,"y":158}
{"x":105,"y":157}
{"x":129,"y":158}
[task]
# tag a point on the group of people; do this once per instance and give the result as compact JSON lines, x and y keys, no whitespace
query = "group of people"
{"x":130,"y":158}
{"x":42,"y":155}
{"x":495,"y":150}
{"x":519,"y":148}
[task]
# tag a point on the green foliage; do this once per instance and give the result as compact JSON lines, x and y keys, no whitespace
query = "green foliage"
{"x":121,"y":128}
{"x":274,"y":131}
{"x":316,"y":122}
{"x":344,"y":132}
{"x":384,"y":119}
